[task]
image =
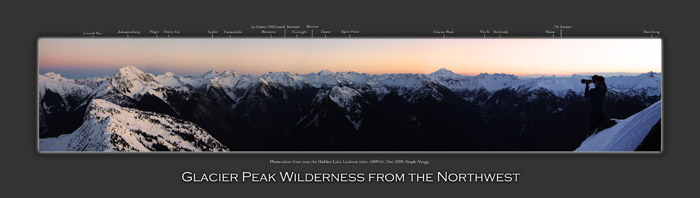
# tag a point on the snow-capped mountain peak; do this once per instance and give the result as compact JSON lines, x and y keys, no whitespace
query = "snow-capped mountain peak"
{"x":497,"y":76}
{"x":134,"y":83}
{"x":61,"y":85}
{"x":169,"y":74}
{"x":65,"y":88}
{"x":345,"y":98}
{"x":229,"y":73}
{"x":651,"y":74}
{"x":130,"y":71}
{"x":325,"y":72}
{"x":54,"y":76}
{"x":210,"y":74}
{"x":283,"y":78}
{"x":444,"y":73}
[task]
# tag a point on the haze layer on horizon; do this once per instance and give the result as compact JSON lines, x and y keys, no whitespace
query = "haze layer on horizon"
{"x":90,"y":57}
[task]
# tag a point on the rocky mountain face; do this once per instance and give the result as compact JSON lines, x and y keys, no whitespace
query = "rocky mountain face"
{"x":354,"y":111}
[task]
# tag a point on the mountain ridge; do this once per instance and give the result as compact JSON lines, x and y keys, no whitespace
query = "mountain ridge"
{"x":441,"y":110}
{"x":231,"y":80}
{"x":109,"y":127}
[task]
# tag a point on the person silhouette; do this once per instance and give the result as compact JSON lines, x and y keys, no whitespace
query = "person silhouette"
{"x":596,"y":98}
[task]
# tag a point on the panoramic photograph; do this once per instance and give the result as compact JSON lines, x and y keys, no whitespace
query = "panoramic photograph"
{"x":364,"y":95}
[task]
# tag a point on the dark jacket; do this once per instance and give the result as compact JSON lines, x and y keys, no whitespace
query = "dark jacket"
{"x":596,"y":97}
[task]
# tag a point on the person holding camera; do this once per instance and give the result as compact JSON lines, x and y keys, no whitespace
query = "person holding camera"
{"x":596,"y":98}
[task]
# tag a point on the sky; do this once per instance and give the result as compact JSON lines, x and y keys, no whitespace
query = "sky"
{"x":90,"y":57}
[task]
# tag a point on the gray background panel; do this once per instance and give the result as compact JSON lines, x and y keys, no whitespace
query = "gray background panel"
{"x":558,"y":175}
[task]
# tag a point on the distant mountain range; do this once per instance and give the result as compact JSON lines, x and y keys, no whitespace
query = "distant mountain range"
{"x":325,"y":111}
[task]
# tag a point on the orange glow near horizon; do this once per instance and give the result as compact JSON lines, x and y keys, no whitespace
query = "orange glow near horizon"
{"x":258,"y":56}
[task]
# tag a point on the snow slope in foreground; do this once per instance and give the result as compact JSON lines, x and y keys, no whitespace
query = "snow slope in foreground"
{"x":108,"y":127}
{"x":627,"y":134}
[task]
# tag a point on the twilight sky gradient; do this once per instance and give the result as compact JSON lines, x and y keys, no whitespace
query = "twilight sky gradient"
{"x":259,"y":56}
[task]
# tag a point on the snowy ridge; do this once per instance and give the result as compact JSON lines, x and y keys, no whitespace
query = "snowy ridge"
{"x":93,"y":83}
{"x":560,"y":86}
{"x":62,"y":86}
{"x":648,"y":83}
{"x":109,"y":127}
{"x":170,"y":80}
{"x":133,"y":83}
{"x":344,"y":97}
{"x":429,"y":90}
{"x":380,"y":84}
{"x":491,"y":82}
{"x":627,"y":134}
